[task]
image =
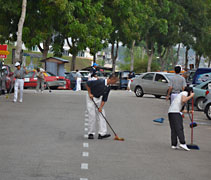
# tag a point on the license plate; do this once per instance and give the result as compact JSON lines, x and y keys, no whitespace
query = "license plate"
{"x":26,"y":79}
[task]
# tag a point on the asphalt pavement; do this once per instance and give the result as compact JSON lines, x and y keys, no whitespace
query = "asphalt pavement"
{"x":45,"y":138}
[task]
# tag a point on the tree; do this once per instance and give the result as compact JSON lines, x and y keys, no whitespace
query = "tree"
{"x":20,"y":30}
{"x":120,"y":12}
{"x":43,"y":22}
{"x":88,"y":28}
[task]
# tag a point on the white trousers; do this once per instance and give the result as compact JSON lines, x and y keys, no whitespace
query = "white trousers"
{"x":78,"y":84}
{"x":128,"y":85}
{"x":94,"y":115}
{"x":19,"y":83}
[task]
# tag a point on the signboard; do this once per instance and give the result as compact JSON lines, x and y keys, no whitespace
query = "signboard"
{"x":3,"y":51}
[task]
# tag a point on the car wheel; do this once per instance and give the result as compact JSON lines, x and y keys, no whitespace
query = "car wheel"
{"x":199,"y":104}
{"x":139,"y":92}
{"x":208,"y":111}
{"x":157,"y":96}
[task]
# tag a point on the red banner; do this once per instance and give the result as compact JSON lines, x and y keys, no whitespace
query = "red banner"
{"x":3,"y":48}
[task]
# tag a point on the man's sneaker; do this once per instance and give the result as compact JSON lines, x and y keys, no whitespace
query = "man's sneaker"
{"x":90,"y":136}
{"x":174,"y":147}
{"x":184,"y":146}
{"x":104,"y":136}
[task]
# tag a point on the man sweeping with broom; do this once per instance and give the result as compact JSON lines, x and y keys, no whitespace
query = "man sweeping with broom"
{"x":176,"y":120}
{"x":98,"y":91}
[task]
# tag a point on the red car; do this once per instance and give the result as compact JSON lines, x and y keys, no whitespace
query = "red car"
{"x":9,"y":76}
{"x":54,"y":82}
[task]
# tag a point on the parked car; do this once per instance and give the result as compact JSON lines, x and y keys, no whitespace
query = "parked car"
{"x":189,"y":76}
{"x":72,"y":77}
{"x":155,"y":83}
{"x":207,"y":104}
{"x":53,"y":81}
{"x":123,"y":80}
{"x":200,"y":75}
{"x":200,"y":92}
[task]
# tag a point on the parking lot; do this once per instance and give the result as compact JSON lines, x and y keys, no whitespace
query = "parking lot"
{"x":44,"y":138}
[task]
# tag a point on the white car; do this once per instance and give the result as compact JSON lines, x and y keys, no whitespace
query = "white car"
{"x":155,"y":83}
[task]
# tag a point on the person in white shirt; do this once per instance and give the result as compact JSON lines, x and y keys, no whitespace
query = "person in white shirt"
{"x":19,"y":81}
{"x":176,"y":120}
{"x":78,"y":80}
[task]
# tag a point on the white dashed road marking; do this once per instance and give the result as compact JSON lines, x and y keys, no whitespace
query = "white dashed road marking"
{"x":85,"y":154}
{"x":84,"y":165}
{"x":86,"y":135}
{"x":86,"y":145}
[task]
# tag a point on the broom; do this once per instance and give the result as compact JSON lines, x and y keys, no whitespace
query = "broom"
{"x":192,"y":146}
{"x":116,"y":137}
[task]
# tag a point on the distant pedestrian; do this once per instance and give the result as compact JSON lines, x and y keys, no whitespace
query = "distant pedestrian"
{"x":19,"y":81}
{"x":78,"y":80}
{"x":130,"y":76}
{"x":40,"y":80}
{"x":98,"y":91}
{"x":3,"y":80}
{"x":176,"y":120}
{"x":93,"y":71}
{"x":176,"y":84}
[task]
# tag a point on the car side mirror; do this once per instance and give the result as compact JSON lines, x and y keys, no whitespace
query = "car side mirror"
{"x":164,"y":81}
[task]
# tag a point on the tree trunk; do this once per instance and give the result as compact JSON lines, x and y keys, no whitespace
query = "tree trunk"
{"x":150,"y":61}
{"x":73,"y":62}
{"x":209,"y":61}
{"x":150,"y":53}
{"x":143,"y":53}
{"x":114,"y":55}
{"x":178,"y":50}
{"x":197,"y":61}
{"x":132,"y":56}
{"x":94,"y":58}
{"x":20,"y":30}
{"x":186,"y":58}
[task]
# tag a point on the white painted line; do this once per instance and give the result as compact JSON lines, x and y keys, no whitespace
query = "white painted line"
{"x":86,"y":145}
{"x":85,"y":154}
{"x":85,"y":129}
{"x":84,"y":165}
{"x":86,"y":135}
{"x":83,"y":179}
{"x":86,"y":124}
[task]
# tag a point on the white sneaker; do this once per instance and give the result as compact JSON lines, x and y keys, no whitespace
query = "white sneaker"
{"x":21,"y":101}
{"x":174,"y":147}
{"x":184,"y":146}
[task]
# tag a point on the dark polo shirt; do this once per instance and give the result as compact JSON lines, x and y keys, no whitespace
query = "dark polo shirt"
{"x":99,"y":88}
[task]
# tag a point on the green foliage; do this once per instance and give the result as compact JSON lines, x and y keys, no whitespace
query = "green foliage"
{"x":140,"y":65}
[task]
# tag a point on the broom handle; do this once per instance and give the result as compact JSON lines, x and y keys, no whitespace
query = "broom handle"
{"x":192,"y":123}
{"x":104,"y":118}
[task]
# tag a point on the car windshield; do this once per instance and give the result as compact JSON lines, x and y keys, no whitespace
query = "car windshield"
{"x":50,"y":74}
{"x":29,"y":75}
{"x":84,"y":74}
{"x":125,"y":74}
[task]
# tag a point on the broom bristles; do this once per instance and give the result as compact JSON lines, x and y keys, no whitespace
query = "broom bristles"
{"x":118,"y":138}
